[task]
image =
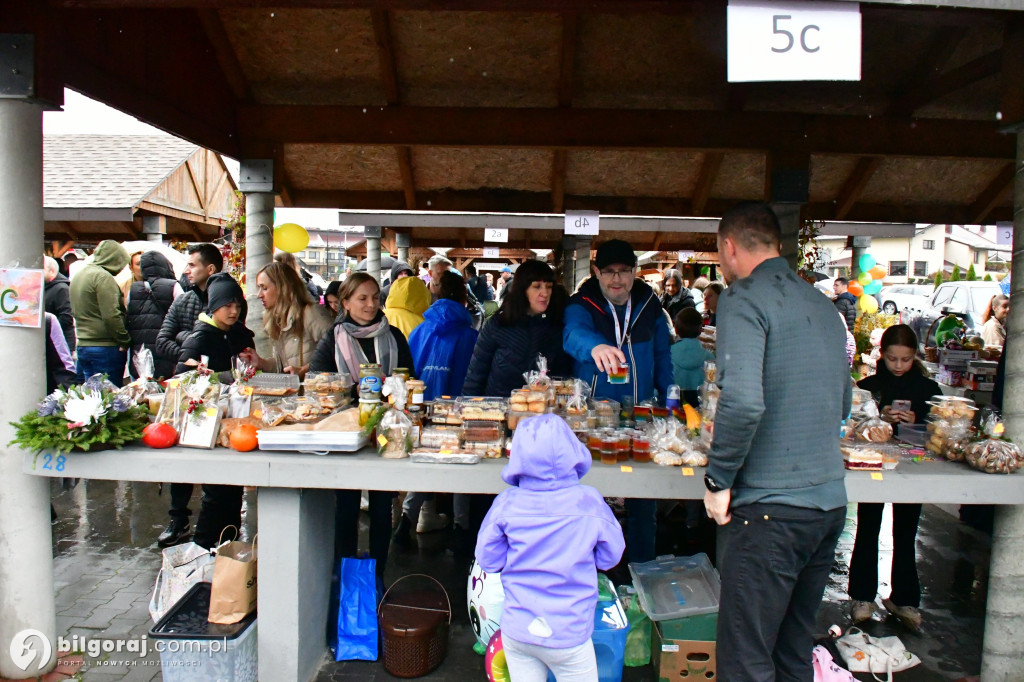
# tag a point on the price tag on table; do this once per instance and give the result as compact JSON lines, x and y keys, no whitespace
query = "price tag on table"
{"x":626,"y":468}
{"x":382,"y":440}
{"x":793,"y":41}
{"x":584,"y":223}
{"x":687,"y":471}
{"x":496,"y":234}
{"x":875,"y":476}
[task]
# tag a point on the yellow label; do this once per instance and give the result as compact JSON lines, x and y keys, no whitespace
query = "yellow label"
{"x":687,"y":471}
{"x":246,"y":390}
{"x":875,"y":476}
{"x":445,"y":452}
{"x":258,"y":414}
{"x":627,"y":469}
{"x":211,"y":411}
{"x":173,"y":383}
{"x":382,"y":441}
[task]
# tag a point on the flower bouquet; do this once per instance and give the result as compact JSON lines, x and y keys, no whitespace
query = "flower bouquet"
{"x":81,"y":418}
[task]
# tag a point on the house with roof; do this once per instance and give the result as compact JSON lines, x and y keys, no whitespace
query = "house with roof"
{"x":131,"y":187}
{"x":933,"y":248}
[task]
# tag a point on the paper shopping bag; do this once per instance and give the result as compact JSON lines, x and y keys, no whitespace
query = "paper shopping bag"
{"x":233,"y":593}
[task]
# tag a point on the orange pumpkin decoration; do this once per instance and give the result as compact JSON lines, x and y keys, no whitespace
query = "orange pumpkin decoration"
{"x":244,"y":438}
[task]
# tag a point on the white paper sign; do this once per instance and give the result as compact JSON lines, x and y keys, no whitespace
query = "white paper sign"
{"x":1004,"y":233}
{"x":793,"y":41}
{"x":496,"y":234}
{"x":685,"y":256}
{"x":582,"y":222}
{"x":492,"y":252}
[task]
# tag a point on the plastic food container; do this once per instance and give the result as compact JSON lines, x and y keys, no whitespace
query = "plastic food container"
{"x":326,"y":382}
{"x":274,"y":384}
{"x":444,"y":410}
{"x":915,"y":434}
{"x":439,"y":437}
{"x":607,"y":412}
{"x":488,"y":449}
{"x":443,"y":457}
{"x":677,"y":587}
{"x":476,"y":431}
{"x":482,"y":409}
{"x":195,"y":650}
{"x":311,"y":442}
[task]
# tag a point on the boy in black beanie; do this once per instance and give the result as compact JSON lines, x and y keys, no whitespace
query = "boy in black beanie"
{"x":220,"y":334}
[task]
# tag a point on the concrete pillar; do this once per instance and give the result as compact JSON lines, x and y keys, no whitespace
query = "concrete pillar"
{"x":259,"y":252}
{"x":1003,"y":651}
{"x":154,"y":227}
{"x":402,"y":241}
{"x":582,"y":261}
{"x":789,"y":221}
{"x":569,"y":263}
{"x":860,"y":247}
{"x":373,"y":234}
{"x":26,"y":562}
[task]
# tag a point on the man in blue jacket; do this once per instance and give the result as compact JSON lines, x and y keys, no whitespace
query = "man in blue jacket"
{"x":615,"y":320}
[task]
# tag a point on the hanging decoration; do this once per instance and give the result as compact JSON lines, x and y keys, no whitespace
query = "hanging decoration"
{"x":290,"y":237}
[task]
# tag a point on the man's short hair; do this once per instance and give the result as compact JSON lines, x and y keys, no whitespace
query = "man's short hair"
{"x":470,"y":270}
{"x":208,"y":254}
{"x":438,"y":260}
{"x":688,"y":323}
{"x":752,"y":225}
{"x":50,"y":265}
{"x":841,"y":280}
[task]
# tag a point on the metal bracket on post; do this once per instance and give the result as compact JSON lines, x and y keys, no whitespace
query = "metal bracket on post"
{"x":373,"y":231}
{"x":256,"y":175}
{"x":154,"y":224}
{"x":403,"y":240}
{"x":18,"y":70}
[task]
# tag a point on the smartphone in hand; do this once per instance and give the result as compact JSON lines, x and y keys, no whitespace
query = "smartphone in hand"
{"x":901,"y":406}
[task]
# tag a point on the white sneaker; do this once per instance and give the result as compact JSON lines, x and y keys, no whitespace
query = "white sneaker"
{"x":430,"y":520}
{"x":861,"y":610}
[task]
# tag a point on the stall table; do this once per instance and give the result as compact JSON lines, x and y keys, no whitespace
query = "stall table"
{"x":296,"y":519}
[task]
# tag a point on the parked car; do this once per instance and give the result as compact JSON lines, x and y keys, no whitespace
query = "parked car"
{"x":898,"y":296}
{"x":966,"y":300}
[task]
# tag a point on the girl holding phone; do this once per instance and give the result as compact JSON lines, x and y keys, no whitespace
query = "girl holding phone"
{"x":903,"y":387}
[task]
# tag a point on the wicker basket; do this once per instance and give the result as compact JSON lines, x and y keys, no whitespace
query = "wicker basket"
{"x":414,"y":628}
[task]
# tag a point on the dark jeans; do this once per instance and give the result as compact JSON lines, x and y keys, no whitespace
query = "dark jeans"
{"x":906,"y":586}
{"x":641,"y":523}
{"x":774,"y":561}
{"x":221,"y":507}
{"x":102,"y":360}
{"x":181,"y":493}
{"x":346,"y":525}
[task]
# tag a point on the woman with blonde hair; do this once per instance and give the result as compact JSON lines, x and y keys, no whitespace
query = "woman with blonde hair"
{"x":293,"y":322}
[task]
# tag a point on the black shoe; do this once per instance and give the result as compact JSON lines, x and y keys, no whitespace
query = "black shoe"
{"x":462,"y":543}
{"x":177,"y":532}
{"x":402,"y":536}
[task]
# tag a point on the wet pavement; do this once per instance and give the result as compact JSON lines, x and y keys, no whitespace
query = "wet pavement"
{"x":106,"y":561}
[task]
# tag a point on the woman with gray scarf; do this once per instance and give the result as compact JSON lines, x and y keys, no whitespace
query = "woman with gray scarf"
{"x":361,"y":335}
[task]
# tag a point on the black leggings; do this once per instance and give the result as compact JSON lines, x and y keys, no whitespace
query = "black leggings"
{"x":906,"y":586}
{"x":346,"y":525}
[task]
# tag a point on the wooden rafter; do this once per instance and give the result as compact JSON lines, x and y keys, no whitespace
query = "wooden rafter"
{"x":989,"y":197}
{"x":706,"y":180}
{"x":408,"y":179}
{"x":567,"y":58}
{"x":945,"y":83}
{"x":216,"y":190}
{"x":200,"y":193}
{"x":558,"y":180}
{"x":927,"y":63}
{"x":1012,"y":107}
{"x":385,"y":54}
{"x":225,"y":53}
{"x":855,"y":184}
{"x":574,"y":128}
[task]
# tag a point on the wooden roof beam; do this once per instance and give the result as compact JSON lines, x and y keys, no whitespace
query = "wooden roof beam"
{"x":567,"y":59}
{"x":408,"y":178}
{"x":855,"y":184}
{"x":1012,"y":105}
{"x":945,"y":83}
{"x":989,"y":197}
{"x":708,"y":172}
{"x":385,"y":54}
{"x":225,"y":53}
{"x":546,"y":6}
{"x":573,"y":128}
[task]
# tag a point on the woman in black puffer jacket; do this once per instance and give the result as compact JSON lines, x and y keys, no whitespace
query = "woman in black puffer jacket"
{"x":528,"y":323}
{"x":148,"y":302}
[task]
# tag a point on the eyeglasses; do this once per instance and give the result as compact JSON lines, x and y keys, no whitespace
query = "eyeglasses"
{"x":617,"y":274}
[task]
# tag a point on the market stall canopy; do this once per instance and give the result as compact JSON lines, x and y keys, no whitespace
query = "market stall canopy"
{"x":98,"y":187}
{"x":542,"y":106}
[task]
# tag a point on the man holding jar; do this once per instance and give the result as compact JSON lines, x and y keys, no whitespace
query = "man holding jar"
{"x":618,"y":337}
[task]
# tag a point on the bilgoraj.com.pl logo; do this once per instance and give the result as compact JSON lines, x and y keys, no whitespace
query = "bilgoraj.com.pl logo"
{"x":32,"y":646}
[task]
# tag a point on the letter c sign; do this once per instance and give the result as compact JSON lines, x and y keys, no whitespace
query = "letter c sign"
{"x":3,"y":302}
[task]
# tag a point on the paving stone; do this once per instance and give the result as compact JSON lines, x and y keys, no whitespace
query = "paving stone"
{"x":81,"y":607}
{"x":100,"y":618}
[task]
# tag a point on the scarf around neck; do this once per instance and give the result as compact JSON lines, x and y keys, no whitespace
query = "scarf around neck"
{"x":349,"y":354}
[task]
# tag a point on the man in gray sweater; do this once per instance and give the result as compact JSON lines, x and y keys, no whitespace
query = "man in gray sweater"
{"x":775,"y":478}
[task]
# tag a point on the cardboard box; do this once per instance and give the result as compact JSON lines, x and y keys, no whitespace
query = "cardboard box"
{"x":956,"y":360}
{"x":682,"y":660}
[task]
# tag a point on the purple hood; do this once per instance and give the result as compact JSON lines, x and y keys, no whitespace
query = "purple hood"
{"x":548,"y":536}
{"x":546,"y":455}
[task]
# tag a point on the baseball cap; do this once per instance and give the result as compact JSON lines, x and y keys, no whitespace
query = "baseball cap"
{"x":615,"y":251}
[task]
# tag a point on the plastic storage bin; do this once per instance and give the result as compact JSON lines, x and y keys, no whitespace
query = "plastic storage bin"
{"x":609,"y":638}
{"x":194,"y":650}
{"x":677,"y":587}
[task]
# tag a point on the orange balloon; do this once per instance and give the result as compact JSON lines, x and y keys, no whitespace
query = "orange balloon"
{"x":877,"y":272}
{"x":244,"y":438}
{"x":855,"y":288}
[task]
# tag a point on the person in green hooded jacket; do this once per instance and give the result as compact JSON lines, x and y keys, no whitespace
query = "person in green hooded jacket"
{"x":100,"y":318}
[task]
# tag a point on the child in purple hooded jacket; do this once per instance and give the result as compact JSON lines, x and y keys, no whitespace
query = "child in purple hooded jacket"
{"x":547,"y":536}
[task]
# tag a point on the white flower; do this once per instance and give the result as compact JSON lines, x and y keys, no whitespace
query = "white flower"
{"x":84,"y":410}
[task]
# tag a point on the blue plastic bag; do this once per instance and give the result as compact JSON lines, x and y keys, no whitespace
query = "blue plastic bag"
{"x":356,"y":638}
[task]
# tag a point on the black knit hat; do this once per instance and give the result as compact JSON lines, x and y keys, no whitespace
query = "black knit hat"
{"x":615,"y":251}
{"x":222,"y":289}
